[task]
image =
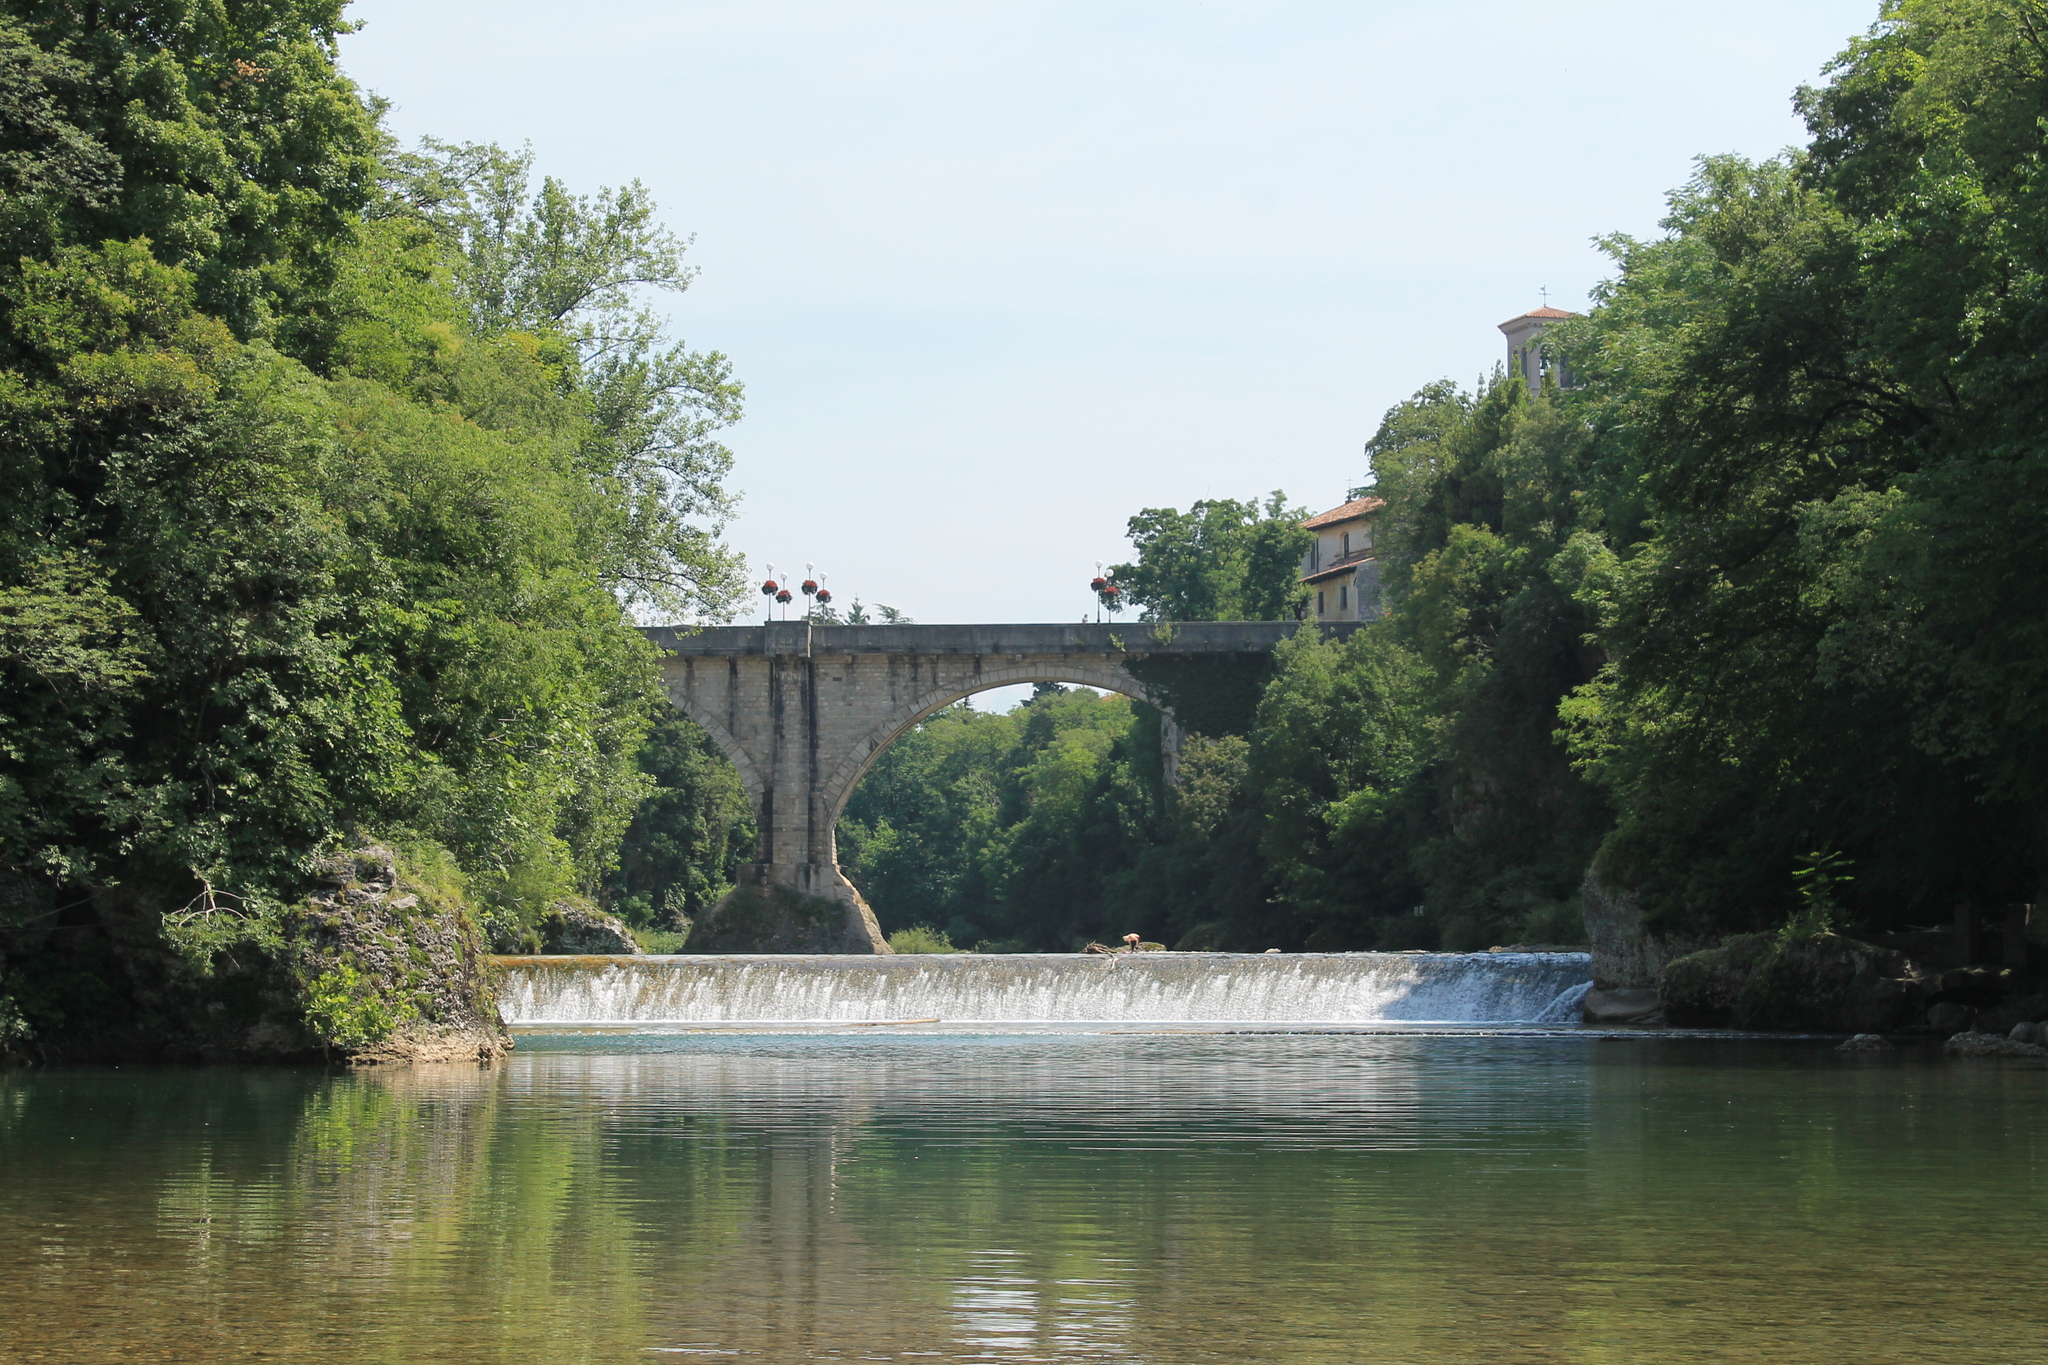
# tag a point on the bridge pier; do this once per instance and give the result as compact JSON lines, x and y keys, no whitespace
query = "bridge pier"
{"x":802,"y":711}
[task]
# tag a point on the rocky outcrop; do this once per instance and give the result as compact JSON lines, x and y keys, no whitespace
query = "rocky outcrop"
{"x":392,"y":969}
{"x":1825,"y":983}
{"x":769,"y":918}
{"x":578,"y":927}
{"x":381,"y":962}
{"x":1627,"y":950}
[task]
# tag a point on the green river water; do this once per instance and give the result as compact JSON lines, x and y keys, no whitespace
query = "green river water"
{"x":1022,"y":1197}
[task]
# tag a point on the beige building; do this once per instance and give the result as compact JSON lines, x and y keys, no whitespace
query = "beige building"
{"x":1339,"y":570}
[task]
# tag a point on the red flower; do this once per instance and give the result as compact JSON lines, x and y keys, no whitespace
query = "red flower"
{"x":784,"y":595}
{"x":768,"y":589}
{"x":810,"y":586}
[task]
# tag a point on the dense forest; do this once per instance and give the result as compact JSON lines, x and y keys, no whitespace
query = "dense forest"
{"x":336,"y":471}
{"x":1756,"y":605}
{"x":332,"y":471}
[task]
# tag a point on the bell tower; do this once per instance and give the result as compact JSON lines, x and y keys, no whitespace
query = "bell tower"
{"x":1525,"y":356}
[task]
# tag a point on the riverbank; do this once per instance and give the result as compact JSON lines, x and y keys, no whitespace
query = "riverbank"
{"x":380,"y":962}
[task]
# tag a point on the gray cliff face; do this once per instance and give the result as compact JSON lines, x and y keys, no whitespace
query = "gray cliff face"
{"x":1627,"y":954}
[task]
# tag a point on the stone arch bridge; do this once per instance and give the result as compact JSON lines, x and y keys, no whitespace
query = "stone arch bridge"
{"x":803,"y":710}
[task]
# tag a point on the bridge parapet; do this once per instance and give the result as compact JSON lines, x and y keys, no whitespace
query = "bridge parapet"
{"x":803,"y":639}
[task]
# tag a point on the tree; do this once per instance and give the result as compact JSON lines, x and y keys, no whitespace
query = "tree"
{"x":1819,"y":385}
{"x":1220,"y":560}
{"x":580,"y":271}
{"x":689,"y":835}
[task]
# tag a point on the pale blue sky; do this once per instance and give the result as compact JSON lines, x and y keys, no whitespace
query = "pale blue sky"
{"x":997,"y":275}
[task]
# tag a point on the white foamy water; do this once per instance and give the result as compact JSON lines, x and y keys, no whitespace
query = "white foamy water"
{"x":1044,"y":988}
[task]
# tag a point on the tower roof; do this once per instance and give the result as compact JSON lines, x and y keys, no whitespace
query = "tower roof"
{"x":1540,"y":314}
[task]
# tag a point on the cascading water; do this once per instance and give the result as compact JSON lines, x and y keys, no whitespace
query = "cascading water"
{"x":1043,"y":988}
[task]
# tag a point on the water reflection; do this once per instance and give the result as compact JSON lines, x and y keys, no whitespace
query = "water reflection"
{"x":1138,"y":1198}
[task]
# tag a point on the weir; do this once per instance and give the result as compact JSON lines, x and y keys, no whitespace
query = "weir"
{"x":660,"y":992}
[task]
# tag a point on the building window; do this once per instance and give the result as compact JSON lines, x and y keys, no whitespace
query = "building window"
{"x":1319,"y":603}
{"x":1347,"y":542}
{"x":1343,"y":598}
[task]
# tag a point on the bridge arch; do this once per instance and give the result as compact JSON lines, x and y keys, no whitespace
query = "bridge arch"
{"x":751,"y":780}
{"x":837,"y":788}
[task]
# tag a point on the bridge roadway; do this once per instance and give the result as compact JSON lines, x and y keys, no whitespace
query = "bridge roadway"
{"x":802,"y":710}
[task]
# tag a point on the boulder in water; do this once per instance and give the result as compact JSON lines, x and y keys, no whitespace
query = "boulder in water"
{"x":1991,"y":1045}
{"x":1866,"y":1042}
{"x":390,"y":967}
{"x":1826,"y":982}
{"x":1622,"y":1005}
{"x":770,"y":918}
{"x":580,"y":928}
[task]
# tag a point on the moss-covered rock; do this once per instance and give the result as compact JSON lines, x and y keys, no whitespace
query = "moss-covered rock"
{"x":1699,"y":990}
{"x":1824,"y":982}
{"x":581,"y":928}
{"x":758,"y":918}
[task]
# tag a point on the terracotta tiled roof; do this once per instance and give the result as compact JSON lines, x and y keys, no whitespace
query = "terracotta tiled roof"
{"x":1341,"y":567}
{"x":1350,"y":511}
{"x":1547,"y":314}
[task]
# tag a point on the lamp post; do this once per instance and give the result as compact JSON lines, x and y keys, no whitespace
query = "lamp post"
{"x":813,"y":588}
{"x":1107,"y":593}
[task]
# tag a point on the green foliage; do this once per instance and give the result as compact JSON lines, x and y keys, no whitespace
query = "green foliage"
{"x":1009,"y":828}
{"x":921,"y":938}
{"x":243,"y":153}
{"x":1332,"y":761}
{"x":1822,"y":384}
{"x":578,"y":271}
{"x":345,"y":1014}
{"x":690,"y":834}
{"x":1221,"y":560}
{"x":1816,"y":877}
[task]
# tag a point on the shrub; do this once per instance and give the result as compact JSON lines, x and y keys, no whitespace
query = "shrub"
{"x":921,"y":939}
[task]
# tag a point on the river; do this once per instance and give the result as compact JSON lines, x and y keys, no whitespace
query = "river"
{"x":1159,"y":1195}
